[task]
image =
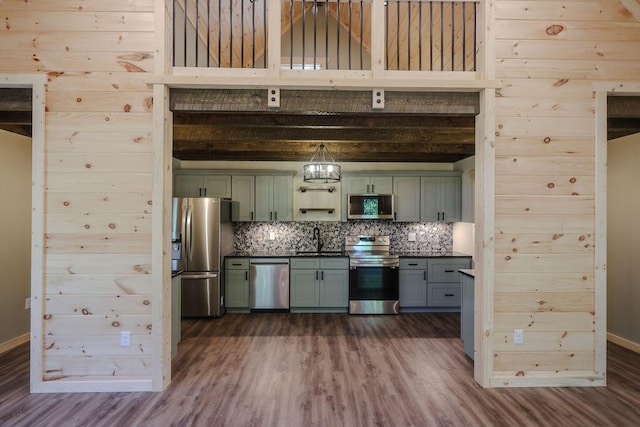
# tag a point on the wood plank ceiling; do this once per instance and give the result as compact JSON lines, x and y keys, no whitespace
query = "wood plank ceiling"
{"x":238,"y":125}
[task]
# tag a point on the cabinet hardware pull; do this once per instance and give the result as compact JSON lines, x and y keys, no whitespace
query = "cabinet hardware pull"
{"x":246,"y":275}
{"x":276,"y":216}
{"x":449,"y":271}
{"x":413,"y":263}
{"x":373,"y":188}
{"x":395,"y":216}
{"x":449,"y":295}
{"x":316,"y":274}
{"x":251,"y":215}
{"x":205,"y":192}
{"x":322,"y":275}
{"x":270,"y":216}
{"x":237,"y":265}
{"x":443,"y":216}
{"x":199,"y":192}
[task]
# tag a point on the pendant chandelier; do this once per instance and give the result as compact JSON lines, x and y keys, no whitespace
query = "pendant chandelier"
{"x":319,"y":170}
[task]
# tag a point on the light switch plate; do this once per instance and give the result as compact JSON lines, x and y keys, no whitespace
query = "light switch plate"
{"x":125,"y":339}
{"x":272,"y":236}
{"x":412,"y":237}
{"x":518,"y":336}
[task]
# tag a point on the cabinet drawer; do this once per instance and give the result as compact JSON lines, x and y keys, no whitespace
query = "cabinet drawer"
{"x":237,"y":263}
{"x":443,"y":295}
{"x":305,"y":263}
{"x":341,"y":263}
{"x":413,"y":263}
{"x":446,"y":270}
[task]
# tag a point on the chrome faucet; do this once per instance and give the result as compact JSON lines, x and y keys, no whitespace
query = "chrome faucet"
{"x":316,"y":236}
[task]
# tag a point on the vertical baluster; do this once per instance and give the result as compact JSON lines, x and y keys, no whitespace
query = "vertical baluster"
{"x":197,"y":33}
{"x":409,"y":35}
{"x":230,"y":33}
{"x":253,"y":33}
{"x":208,"y":33}
{"x":464,"y":37}
{"x":326,"y":34}
{"x":361,"y":33}
{"x":386,"y":32}
{"x":291,"y":33}
{"x":475,"y":34}
{"x":453,"y":36}
{"x":397,"y":35}
{"x":315,"y":32}
{"x":430,"y":36}
{"x":219,"y":33}
{"x":241,"y":33}
{"x":338,"y":36}
{"x":420,"y":36}
{"x":304,"y":31}
{"x":185,"y":33}
{"x":441,"y":36}
{"x":350,"y":6}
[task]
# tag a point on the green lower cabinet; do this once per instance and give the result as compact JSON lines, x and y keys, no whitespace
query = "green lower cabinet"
{"x":236,"y":282}
{"x":314,"y":289}
{"x":304,"y":288}
{"x":334,"y":288}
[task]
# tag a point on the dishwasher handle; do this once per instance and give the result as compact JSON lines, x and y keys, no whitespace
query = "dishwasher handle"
{"x":269,"y":261}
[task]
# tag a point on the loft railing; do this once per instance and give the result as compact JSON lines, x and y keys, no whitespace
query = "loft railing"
{"x":418,"y":35}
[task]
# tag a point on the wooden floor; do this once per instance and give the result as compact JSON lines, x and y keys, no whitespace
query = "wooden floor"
{"x":325,"y":370}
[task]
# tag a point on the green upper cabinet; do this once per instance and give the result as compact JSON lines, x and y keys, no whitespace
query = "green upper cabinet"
{"x":406,"y":190}
{"x":274,"y":198}
{"x":243,"y":193}
{"x":201,"y":185}
{"x":441,"y":198}
{"x":369,"y":184}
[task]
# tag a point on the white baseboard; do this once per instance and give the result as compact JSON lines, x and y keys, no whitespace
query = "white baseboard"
{"x":13,"y":343}
{"x":623,"y":342}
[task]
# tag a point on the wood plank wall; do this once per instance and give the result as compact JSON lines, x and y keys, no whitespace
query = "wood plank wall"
{"x":97,"y":178}
{"x":548,"y":55}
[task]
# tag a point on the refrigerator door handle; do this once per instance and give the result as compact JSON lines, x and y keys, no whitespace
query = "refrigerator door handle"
{"x":200,"y":276}
{"x":189,"y":227}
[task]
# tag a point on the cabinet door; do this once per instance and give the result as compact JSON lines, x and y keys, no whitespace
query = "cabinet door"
{"x":304,"y":288}
{"x":381,"y":184}
{"x":216,"y":185}
{"x":429,"y":199}
{"x":413,"y":288}
{"x":243,"y":192}
{"x":444,"y":295}
{"x":187,"y":186}
{"x":334,"y":288}
{"x":264,"y":198}
{"x":237,"y":288}
{"x":450,"y":199}
{"x":283,"y":198}
{"x":406,"y":190}
{"x":357,"y":185}
{"x":445,"y":270}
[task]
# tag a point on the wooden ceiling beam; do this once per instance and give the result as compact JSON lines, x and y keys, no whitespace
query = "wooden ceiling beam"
{"x":310,"y":101}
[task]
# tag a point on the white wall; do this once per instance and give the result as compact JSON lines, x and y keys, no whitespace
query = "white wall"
{"x":15,"y":229}
{"x":623,"y":238}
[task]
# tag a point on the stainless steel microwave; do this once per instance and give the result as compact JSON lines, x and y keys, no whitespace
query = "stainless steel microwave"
{"x":370,"y":206}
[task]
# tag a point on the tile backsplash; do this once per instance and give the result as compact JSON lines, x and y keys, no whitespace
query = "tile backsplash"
{"x":292,"y":236}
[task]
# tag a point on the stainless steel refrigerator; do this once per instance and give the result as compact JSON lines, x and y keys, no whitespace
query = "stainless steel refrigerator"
{"x":203,"y":230}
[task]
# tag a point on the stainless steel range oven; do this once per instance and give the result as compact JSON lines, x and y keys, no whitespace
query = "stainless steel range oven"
{"x":373,"y":275}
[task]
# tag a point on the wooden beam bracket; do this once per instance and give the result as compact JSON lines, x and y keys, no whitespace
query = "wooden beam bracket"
{"x":274,"y":97}
{"x":378,"y":99}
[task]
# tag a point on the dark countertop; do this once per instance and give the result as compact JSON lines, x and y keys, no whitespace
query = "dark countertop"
{"x":285,"y":254}
{"x":468,"y":272}
{"x":282,"y":254}
{"x":175,"y":273}
{"x":419,"y":254}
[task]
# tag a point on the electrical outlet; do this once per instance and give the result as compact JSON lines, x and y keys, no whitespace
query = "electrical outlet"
{"x":27,"y":303}
{"x":412,"y":237}
{"x":518,"y":336}
{"x":125,"y":339}
{"x":272,"y":236}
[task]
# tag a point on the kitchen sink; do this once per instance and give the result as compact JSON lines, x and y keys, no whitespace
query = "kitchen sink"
{"x":320,"y":253}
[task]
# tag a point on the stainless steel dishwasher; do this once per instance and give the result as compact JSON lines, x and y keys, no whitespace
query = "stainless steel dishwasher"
{"x":269,"y":283}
